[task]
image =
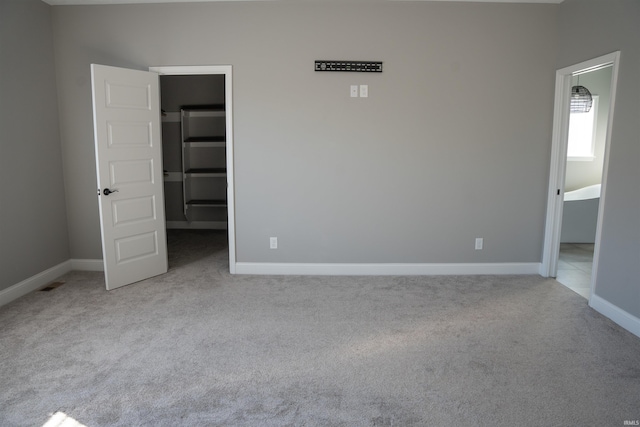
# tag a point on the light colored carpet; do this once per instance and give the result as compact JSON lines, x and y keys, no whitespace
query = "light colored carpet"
{"x":199,"y":347}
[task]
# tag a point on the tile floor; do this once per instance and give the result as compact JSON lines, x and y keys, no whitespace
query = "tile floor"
{"x":574,"y":267}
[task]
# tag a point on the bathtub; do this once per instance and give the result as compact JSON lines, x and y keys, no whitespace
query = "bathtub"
{"x":580,"y":215}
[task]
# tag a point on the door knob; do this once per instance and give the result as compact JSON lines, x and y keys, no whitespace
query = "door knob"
{"x":106,"y":191}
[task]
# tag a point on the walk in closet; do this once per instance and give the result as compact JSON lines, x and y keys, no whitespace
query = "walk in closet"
{"x":194,"y":150}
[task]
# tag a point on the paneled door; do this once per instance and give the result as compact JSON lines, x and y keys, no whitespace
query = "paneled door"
{"x":126,"y":121}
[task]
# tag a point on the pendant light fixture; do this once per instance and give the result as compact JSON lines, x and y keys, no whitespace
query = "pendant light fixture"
{"x":581,"y":99}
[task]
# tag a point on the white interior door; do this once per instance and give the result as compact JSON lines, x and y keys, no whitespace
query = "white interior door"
{"x":126,"y":121}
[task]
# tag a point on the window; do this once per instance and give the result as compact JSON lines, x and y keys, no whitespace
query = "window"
{"x":582,"y":134}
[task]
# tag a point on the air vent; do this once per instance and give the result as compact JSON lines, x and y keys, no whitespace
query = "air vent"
{"x":51,"y":286}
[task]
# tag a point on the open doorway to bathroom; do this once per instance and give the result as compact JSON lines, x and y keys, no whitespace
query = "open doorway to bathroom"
{"x":578,"y":174}
{"x":583,"y":179}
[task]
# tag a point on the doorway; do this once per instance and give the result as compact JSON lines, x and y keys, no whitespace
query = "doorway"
{"x":198,"y":160}
{"x":560,"y":184}
{"x":583,"y":178}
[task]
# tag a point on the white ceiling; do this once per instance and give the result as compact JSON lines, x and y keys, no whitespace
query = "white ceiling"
{"x":90,"y":2}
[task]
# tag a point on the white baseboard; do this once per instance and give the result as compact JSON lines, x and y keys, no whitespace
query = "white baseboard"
{"x":618,"y":315}
{"x":87,"y":264}
{"x":399,"y":269}
{"x":34,"y":282}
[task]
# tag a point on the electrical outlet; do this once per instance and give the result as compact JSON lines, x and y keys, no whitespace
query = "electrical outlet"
{"x":479,"y":243}
{"x":354,"y":91}
{"x":364,"y":91}
{"x":273,"y":242}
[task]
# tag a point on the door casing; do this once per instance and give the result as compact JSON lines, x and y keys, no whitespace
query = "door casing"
{"x":557,"y":170}
{"x":226,"y":70}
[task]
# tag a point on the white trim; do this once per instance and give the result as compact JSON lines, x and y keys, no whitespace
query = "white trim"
{"x":557,"y":170}
{"x":34,"y":282}
{"x":469,"y":1}
{"x":605,"y":166}
{"x":94,"y":2}
{"x":618,"y":315}
{"x":173,"y":70}
{"x":227,"y":70}
{"x":389,"y":269}
{"x":87,"y":264}
{"x":100,"y":2}
{"x":551,"y":248}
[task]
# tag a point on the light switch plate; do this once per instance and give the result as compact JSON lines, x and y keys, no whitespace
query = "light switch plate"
{"x":354,"y":91}
{"x":479,"y":243}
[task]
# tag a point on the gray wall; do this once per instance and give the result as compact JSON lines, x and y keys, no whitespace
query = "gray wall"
{"x":452,"y":144}
{"x":33,"y":223}
{"x":584,"y":173}
{"x":613,"y":25}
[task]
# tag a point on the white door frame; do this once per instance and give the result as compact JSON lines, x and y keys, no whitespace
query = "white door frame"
{"x":549,"y":265}
{"x":227,"y":71}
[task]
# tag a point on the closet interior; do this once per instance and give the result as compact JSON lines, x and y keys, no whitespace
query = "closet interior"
{"x":194,"y":151}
